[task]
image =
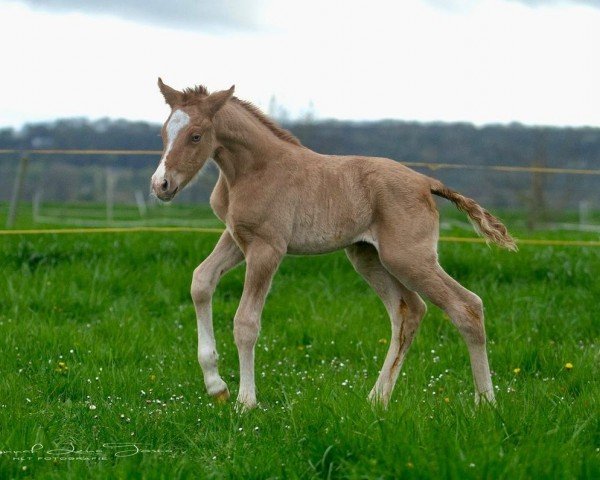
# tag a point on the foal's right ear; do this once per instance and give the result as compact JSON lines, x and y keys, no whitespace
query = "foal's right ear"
{"x":172,"y":97}
{"x":217,"y":100}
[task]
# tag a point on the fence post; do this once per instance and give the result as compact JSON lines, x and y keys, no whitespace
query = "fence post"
{"x":35,"y":207}
{"x":141,"y":204}
{"x":537,"y":208}
{"x":111,"y":179}
{"x":16,"y":193}
{"x":584,"y":213}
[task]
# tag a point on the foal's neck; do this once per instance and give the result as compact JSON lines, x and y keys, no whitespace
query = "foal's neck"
{"x":246,"y":145}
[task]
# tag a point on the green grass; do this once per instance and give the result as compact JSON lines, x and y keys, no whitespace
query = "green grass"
{"x":115,"y":308}
{"x":86,"y":214}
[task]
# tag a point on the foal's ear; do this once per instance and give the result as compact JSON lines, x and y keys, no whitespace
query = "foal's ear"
{"x":217,"y":100}
{"x":172,"y":97}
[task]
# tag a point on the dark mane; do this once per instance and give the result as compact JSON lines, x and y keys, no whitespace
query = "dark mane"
{"x":279,"y":132}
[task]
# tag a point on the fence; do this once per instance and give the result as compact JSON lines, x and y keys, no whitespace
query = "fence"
{"x":111,"y":225}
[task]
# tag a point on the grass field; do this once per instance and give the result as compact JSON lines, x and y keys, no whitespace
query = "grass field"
{"x":98,"y":338}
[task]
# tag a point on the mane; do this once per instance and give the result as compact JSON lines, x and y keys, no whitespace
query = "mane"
{"x":192,"y":94}
{"x":278,"y":131}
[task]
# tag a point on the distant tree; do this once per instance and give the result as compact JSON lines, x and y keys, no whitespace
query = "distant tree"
{"x":453,"y":143}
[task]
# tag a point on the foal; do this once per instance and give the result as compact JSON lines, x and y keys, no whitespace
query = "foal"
{"x":276,"y":196}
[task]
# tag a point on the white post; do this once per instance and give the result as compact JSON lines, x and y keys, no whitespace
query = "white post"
{"x":16,"y":193}
{"x":141,"y":203}
{"x":584,"y":213}
{"x":35,"y":206}
{"x":111,"y":180}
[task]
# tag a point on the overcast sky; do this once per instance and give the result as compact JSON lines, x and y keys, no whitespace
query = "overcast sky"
{"x":483,"y":61}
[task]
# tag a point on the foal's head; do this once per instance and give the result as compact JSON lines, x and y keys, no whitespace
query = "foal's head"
{"x":188,"y":137}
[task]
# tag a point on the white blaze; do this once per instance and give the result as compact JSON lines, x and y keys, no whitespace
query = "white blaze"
{"x":178,"y":121}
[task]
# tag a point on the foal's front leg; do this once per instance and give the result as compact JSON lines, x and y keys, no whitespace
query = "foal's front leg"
{"x":262,"y":260}
{"x":223,"y":258}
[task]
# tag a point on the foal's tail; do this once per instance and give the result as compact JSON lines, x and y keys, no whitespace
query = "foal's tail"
{"x":484,"y":222}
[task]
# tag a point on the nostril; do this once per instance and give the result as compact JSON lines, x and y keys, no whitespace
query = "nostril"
{"x":164,"y":185}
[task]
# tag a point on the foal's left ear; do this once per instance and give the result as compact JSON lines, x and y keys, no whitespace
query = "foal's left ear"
{"x":218,"y":99}
{"x":172,"y":97}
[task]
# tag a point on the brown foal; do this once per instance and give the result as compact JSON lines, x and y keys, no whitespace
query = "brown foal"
{"x":276,"y":196}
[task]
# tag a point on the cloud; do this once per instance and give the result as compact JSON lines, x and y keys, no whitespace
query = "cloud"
{"x":462,"y":5}
{"x":194,"y":15}
{"x":542,"y":3}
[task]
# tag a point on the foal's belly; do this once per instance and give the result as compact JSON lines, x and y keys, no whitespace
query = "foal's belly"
{"x":331,"y":227}
{"x":317,"y":242}
{"x":315,"y":248}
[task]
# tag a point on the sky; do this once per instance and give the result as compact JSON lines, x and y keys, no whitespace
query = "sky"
{"x":483,"y":61}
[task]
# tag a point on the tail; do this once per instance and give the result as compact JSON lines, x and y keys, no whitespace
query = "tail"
{"x":484,"y":222}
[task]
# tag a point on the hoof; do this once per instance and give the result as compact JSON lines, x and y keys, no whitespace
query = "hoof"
{"x":245,"y":404}
{"x":376,"y":399}
{"x":244,"y":407}
{"x":222,"y":396}
{"x":485,"y":398}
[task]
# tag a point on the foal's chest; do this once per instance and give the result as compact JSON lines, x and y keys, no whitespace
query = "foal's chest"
{"x":219,"y":199}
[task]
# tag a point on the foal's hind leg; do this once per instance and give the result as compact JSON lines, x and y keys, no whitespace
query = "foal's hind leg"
{"x":405,"y":308}
{"x":419,"y":270}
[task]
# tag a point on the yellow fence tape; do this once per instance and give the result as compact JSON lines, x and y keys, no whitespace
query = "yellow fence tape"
{"x":47,"y":231}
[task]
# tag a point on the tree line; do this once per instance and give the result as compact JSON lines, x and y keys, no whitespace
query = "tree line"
{"x":454,"y":143}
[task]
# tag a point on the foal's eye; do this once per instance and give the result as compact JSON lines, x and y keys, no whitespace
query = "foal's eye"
{"x":195,"y":138}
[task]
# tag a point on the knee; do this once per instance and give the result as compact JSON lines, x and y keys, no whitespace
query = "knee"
{"x":207,"y":357}
{"x":203,"y":284}
{"x":245,"y":330}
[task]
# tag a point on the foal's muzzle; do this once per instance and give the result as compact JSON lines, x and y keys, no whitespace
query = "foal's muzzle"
{"x":164,"y":188}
